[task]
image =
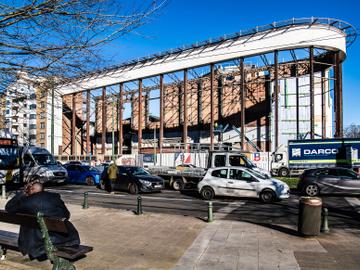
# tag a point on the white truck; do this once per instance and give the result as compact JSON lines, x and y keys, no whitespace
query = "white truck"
{"x":306,"y":154}
{"x":182,"y":176}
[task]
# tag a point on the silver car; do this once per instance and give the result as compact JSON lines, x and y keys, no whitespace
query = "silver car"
{"x":239,"y":181}
{"x":329,"y":181}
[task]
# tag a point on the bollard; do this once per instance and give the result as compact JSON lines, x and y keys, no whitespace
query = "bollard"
{"x":325,"y":225}
{"x":85,"y":204}
{"x":210,"y":212}
{"x":3,"y":192}
{"x":139,"y":210}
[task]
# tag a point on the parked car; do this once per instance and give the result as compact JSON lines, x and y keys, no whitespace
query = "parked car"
{"x":133,"y":179}
{"x":241,"y":182}
{"x":73,"y":162}
{"x":82,"y":174}
{"x":329,"y":181}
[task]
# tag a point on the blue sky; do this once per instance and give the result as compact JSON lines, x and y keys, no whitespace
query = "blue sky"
{"x":184,"y":22}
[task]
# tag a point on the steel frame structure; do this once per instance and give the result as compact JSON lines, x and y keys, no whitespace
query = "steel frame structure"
{"x":327,"y":34}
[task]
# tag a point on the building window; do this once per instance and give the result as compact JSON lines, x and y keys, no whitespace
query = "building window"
{"x":25,"y":114}
{"x":32,"y":106}
{"x":25,"y":125}
{"x":42,"y":104}
{"x":32,"y":137}
{"x":42,"y":135}
{"x":32,"y":96}
{"x":32,"y":126}
{"x":42,"y":115}
{"x":43,"y":93}
{"x":32,"y":116}
{"x":42,"y":125}
{"x":7,"y":111}
{"x":42,"y":145}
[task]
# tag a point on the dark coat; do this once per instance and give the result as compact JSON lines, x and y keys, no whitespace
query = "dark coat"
{"x":51,"y":205}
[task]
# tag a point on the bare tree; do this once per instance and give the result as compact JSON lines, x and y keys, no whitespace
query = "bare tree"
{"x":63,"y":37}
{"x":352,"y":131}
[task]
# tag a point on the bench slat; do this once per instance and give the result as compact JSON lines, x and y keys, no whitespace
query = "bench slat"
{"x":52,"y":224}
{"x":72,"y":253}
{"x":9,"y":239}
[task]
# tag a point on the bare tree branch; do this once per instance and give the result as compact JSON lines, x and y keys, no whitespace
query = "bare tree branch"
{"x":63,"y":38}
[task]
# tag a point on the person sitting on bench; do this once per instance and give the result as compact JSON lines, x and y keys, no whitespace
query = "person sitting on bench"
{"x":33,"y":200}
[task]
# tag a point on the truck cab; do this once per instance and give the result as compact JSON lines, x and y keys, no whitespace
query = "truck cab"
{"x":232,"y":158}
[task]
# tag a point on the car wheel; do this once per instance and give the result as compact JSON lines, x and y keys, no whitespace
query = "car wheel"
{"x":283,"y":172}
{"x":178,"y":184}
{"x":267,"y":196}
{"x":133,"y":188}
{"x":312,"y":190}
{"x":89,"y":181}
{"x":207,"y":193}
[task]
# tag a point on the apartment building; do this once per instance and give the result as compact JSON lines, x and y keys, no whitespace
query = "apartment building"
{"x":27,"y":114}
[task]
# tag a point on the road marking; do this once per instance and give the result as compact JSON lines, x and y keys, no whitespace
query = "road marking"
{"x":354,"y":202}
{"x":224,"y":211}
{"x":129,"y":196}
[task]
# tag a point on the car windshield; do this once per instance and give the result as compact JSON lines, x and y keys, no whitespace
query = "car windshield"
{"x":44,"y":159}
{"x":137,"y":171}
{"x":258,"y":175}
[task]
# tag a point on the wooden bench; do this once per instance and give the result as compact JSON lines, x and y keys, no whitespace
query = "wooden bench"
{"x":60,"y":257}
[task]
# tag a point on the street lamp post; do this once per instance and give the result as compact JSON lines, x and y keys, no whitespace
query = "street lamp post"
{"x":113,"y":132}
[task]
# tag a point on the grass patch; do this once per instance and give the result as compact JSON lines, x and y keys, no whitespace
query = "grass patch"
{"x":291,"y":181}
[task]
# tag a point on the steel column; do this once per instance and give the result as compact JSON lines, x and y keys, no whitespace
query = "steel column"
{"x":88,"y":122}
{"x":52,"y":118}
{"x":140,"y":115}
{"x":185,"y":123}
{"x":73,"y":126}
{"x":297,"y":104}
{"x":161,"y":129}
{"x":242,"y":102}
{"x":121,"y":91}
{"x":312,"y":111}
{"x":338,"y":97}
{"x":323,"y":117}
{"x":276,"y":97}
{"x":103,"y":121}
{"x":212,"y":75}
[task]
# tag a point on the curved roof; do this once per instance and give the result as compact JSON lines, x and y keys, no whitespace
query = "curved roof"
{"x":326,"y":33}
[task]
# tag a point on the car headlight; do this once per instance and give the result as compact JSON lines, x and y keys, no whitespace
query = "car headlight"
{"x":46,"y":173}
{"x":145,"y":182}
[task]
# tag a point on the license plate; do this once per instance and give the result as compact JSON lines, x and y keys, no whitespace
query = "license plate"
{"x":158,"y":186}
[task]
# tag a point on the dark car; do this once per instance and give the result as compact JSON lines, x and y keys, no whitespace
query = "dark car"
{"x":329,"y":181}
{"x":82,"y":174}
{"x":133,"y":179}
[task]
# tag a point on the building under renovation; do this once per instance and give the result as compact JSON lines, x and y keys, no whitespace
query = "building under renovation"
{"x":253,"y":90}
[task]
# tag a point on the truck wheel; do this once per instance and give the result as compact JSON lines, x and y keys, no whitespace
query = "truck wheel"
{"x":312,"y":190}
{"x":207,"y":193}
{"x":267,"y":196}
{"x":283,"y":172}
{"x":178,"y":184}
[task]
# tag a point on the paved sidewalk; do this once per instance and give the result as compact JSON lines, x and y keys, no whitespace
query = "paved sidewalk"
{"x":123,"y":240}
{"x":226,"y":244}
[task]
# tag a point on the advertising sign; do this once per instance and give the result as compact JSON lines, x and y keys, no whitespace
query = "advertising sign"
{"x":324,"y":153}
